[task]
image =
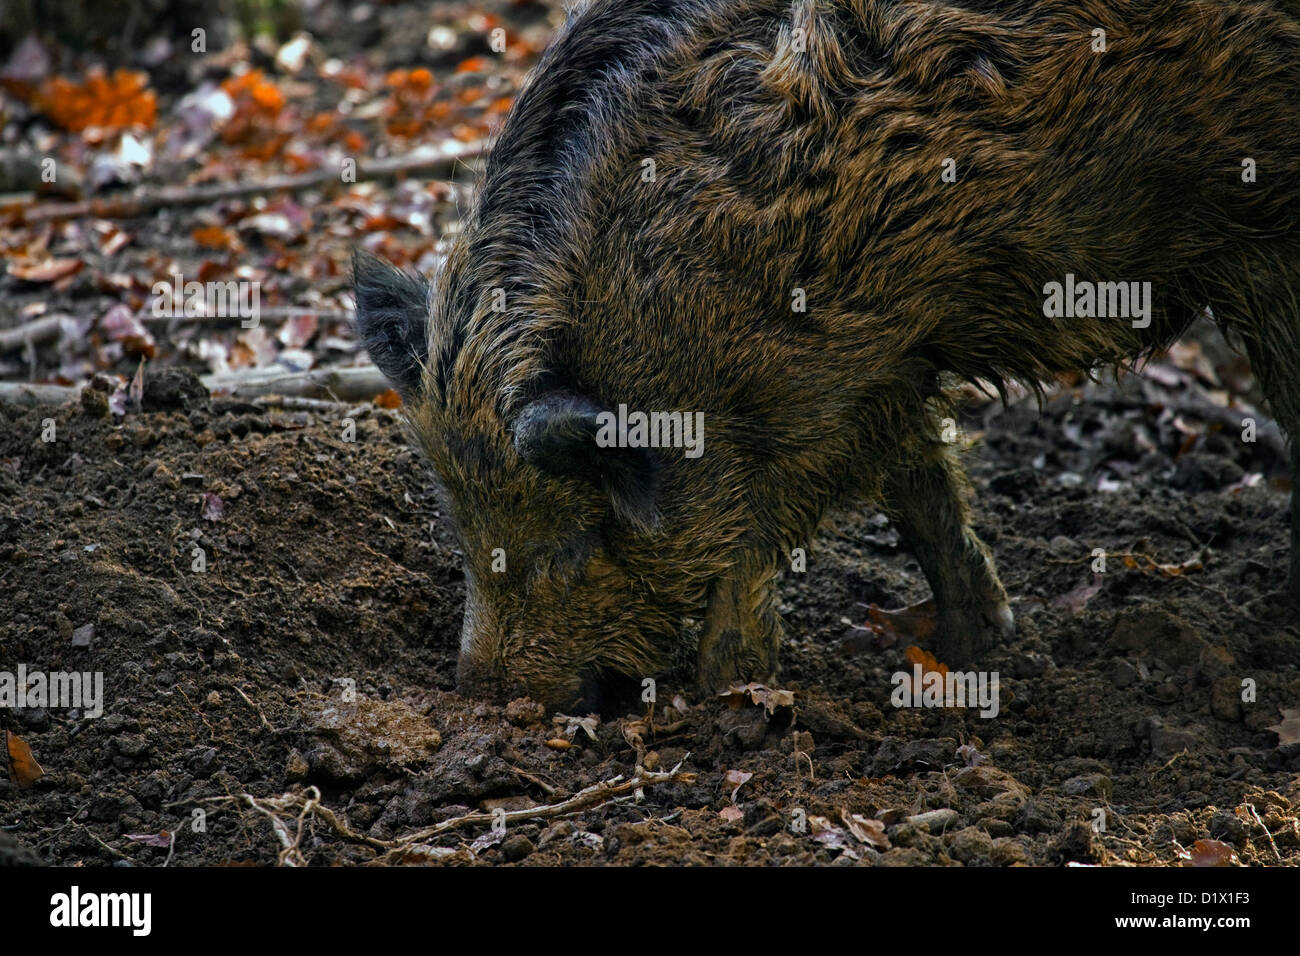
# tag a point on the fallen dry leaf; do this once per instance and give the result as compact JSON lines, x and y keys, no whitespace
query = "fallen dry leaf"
{"x":865,"y":829}
{"x":830,"y":835}
{"x":572,"y":725}
{"x":213,"y":508}
{"x":106,"y":102}
{"x":1211,"y":853}
{"x":23,"y":768}
{"x":1073,"y":602}
{"x":1288,"y":731}
{"x":736,"y":779}
{"x":758,"y":694}
{"x":913,"y":623}
{"x":929,"y":664}
{"x":388,"y":399}
{"x":121,"y":325}
{"x":731,"y":813}
{"x":163,"y":839}
{"x":44,"y":270}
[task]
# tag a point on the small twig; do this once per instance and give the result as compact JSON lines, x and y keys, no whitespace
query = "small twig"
{"x":111,"y":849}
{"x":262,"y":716}
{"x":596,"y":794}
{"x":289,"y":855}
{"x":293,"y":404}
{"x":545,"y":787}
{"x":1255,"y":813}
{"x":310,"y":806}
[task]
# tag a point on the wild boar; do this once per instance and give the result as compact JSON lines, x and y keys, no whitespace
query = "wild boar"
{"x":802,"y":222}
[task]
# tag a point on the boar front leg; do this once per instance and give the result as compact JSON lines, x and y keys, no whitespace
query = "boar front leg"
{"x":1270,"y":340}
{"x":742,"y":631}
{"x":926,"y":500}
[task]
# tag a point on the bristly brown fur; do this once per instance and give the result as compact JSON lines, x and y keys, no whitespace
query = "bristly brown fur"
{"x":780,"y":167}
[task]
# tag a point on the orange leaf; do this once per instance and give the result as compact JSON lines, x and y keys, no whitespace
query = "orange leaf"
{"x":214,"y":237}
{"x":99,"y":101}
{"x":916,"y":622}
{"x":388,"y":399}
{"x":23,"y":768}
{"x":1212,"y":853}
{"x":929,"y":664}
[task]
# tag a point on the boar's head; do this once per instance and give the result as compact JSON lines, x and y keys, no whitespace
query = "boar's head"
{"x":564,"y":562}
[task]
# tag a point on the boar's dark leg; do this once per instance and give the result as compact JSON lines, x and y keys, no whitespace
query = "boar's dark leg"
{"x":926,"y":500}
{"x":1275,"y":359}
{"x":742,"y":632}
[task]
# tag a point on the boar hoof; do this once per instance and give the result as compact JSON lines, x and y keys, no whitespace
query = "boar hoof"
{"x":1004,"y":621}
{"x":967,"y":631}
{"x":731,"y":659}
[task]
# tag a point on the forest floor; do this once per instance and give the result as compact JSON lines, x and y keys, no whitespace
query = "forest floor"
{"x":273,"y":598}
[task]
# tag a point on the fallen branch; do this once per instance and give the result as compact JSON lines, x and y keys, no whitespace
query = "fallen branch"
{"x":592,"y":796}
{"x":263,"y":312}
{"x":294,"y":404}
{"x":29,"y":395}
{"x":341,"y":384}
{"x":335,"y":385}
{"x":39,"y":330}
{"x":276,"y":809}
{"x":430,"y":161}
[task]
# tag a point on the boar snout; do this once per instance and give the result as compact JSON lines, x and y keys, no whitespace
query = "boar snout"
{"x":538,"y":676}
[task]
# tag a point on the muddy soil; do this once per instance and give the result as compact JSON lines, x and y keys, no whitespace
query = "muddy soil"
{"x":276,"y":608}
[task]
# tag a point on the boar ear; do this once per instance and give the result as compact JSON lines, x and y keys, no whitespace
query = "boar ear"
{"x":392,"y":318}
{"x":557,"y":433}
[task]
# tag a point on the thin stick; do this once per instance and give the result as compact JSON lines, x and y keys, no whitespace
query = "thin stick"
{"x":596,"y":794}
{"x":310,"y":805}
{"x":430,"y":161}
{"x":255,"y":708}
{"x":1255,"y":813}
{"x":263,"y":312}
{"x":357,"y":384}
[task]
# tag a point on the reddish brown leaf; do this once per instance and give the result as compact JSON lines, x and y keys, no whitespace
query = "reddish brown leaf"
{"x":929,"y":664}
{"x":1211,"y":853}
{"x":23,"y":768}
{"x":865,"y":829}
{"x":909,"y":624}
{"x":120,"y":325}
{"x":45,"y":270}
